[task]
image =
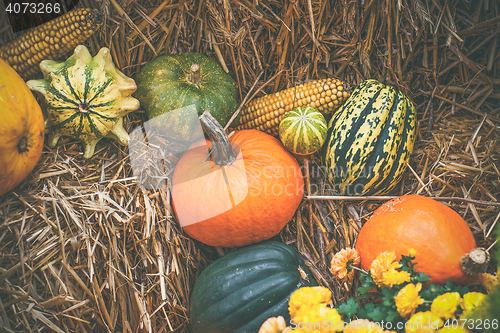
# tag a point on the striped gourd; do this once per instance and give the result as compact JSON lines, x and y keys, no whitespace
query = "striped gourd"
{"x":370,"y":140}
{"x":303,"y":130}
{"x":86,"y":98}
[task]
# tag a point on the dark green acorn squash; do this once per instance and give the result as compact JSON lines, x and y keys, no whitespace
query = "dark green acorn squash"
{"x":370,"y":140}
{"x":172,"y":82}
{"x":239,"y":291}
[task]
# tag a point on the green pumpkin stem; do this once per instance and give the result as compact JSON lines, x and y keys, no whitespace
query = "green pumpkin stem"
{"x":195,"y":76}
{"x":221,"y":149}
{"x":474,"y":262}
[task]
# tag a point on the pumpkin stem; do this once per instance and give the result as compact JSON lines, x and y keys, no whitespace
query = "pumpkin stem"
{"x":23,"y":145}
{"x":473,"y":263}
{"x":221,"y":149}
{"x":195,"y":76}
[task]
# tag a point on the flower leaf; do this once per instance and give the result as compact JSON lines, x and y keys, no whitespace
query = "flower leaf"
{"x":349,"y":308}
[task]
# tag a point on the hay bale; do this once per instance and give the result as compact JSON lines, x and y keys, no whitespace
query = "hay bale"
{"x":83,"y":248}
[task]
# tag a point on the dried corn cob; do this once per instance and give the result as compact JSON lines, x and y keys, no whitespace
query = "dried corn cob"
{"x":265,"y":113}
{"x":50,"y":40}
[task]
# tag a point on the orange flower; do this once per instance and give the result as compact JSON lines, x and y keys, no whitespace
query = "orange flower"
{"x":342,"y":263}
{"x":274,"y":325}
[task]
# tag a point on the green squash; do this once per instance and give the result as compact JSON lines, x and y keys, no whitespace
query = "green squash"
{"x":242,"y":289}
{"x":173,"y":82}
{"x":303,"y":130}
{"x":85,"y":98}
{"x":370,"y":140}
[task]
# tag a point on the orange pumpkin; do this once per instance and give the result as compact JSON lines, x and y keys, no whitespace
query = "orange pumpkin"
{"x":245,"y":193}
{"x":22,"y":129}
{"x":438,"y":234}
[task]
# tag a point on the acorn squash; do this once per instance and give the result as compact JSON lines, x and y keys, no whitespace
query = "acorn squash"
{"x":22,"y":129}
{"x":86,"y":98}
{"x":370,"y":140}
{"x":241,"y":290}
{"x":172,"y":82}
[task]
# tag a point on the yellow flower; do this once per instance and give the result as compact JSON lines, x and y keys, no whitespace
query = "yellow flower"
{"x":394,"y":277}
{"x":407,"y":300}
{"x":423,"y":322}
{"x":383,"y":264}
{"x":488,"y":281}
{"x":306,"y":297}
{"x":444,"y":306}
{"x":412,"y":252}
{"x":341,"y":262}
{"x":274,"y":325}
{"x":317,"y":318}
{"x":364,"y":326}
{"x":470,"y":301}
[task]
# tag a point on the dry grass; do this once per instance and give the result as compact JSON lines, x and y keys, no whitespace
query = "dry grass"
{"x":83,"y":248}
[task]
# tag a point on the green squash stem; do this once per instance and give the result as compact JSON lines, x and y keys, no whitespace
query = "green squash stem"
{"x":221,"y":149}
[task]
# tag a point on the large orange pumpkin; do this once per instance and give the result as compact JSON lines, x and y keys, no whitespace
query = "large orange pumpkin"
{"x":22,"y":129}
{"x":245,"y":193}
{"x":439,"y":235}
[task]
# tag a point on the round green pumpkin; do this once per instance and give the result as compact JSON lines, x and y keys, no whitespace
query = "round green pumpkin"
{"x":175,"y":82}
{"x":370,"y":140}
{"x":242,"y":289}
{"x":303,"y":130}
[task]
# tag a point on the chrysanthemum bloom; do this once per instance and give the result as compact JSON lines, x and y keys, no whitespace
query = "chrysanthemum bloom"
{"x":470,"y":301}
{"x":274,"y":325}
{"x":317,"y":318}
{"x":364,"y":326}
{"x":307,"y":297}
{"x":444,"y":306}
{"x":488,"y":281}
{"x":393,"y":277}
{"x":407,"y":300}
{"x":423,"y":322}
{"x":342,"y":263}
{"x":382,"y":264}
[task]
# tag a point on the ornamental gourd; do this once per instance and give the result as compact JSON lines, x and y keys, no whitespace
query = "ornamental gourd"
{"x":370,"y":140}
{"x":303,"y":130}
{"x":22,"y":129}
{"x":242,"y":193}
{"x":241,"y":290}
{"x":443,"y":242}
{"x":86,"y":98}
{"x":173,"y":82}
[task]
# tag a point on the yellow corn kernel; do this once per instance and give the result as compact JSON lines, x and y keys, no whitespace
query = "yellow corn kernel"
{"x":50,"y":40}
{"x":265,"y":113}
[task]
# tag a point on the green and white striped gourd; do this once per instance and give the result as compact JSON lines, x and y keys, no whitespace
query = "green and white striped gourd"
{"x":370,"y":140}
{"x":85,"y":98}
{"x":303,"y":130}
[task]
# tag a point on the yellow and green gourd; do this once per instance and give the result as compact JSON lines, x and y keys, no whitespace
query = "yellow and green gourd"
{"x":303,"y":130}
{"x":370,"y":140}
{"x":85,"y":98}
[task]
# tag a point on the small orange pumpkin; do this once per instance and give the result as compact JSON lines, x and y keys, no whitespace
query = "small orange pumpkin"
{"x":22,"y":129}
{"x":235,"y":199}
{"x":439,"y":235}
